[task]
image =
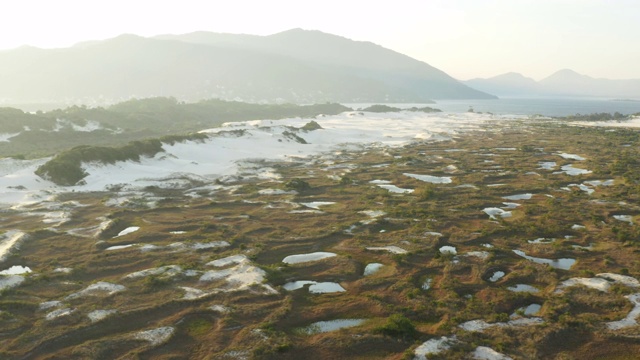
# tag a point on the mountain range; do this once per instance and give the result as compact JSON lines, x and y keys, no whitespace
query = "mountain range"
{"x":296,"y":66}
{"x":565,"y":82}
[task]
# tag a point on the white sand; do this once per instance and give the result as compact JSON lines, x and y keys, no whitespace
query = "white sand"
{"x":181,"y":162}
{"x":526,"y":196}
{"x":229,"y":260}
{"x":166,"y":271}
{"x":621,"y":279}
{"x":331,"y":325}
{"x":59,"y":313}
{"x":434,"y":346}
{"x":448,"y":250}
{"x":390,"y":248}
{"x":128,"y":230}
{"x":572,"y":156}
{"x":16,"y":270}
{"x":155,"y":336}
{"x":101,"y":288}
{"x":493,"y":212}
{"x":98,"y":315}
{"x":630,"y":319}
{"x":49,"y":304}
{"x":486,"y":353}
{"x":317,"y":204}
{"x":8,"y":241}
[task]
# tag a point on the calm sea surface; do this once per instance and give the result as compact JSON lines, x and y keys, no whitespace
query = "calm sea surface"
{"x":538,"y":106}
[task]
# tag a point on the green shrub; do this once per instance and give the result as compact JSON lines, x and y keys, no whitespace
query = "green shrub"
{"x":311,"y":126}
{"x":297,"y":184}
{"x":66,"y":168}
{"x":426,"y":192}
{"x":398,"y":325}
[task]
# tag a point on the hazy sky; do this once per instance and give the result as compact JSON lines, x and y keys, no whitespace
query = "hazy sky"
{"x":465,"y":38}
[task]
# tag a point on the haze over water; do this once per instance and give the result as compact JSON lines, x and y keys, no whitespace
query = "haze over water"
{"x":530,"y":106}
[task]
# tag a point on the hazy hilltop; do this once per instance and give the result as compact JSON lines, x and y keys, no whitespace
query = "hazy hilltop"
{"x":570,"y":82}
{"x":294,"y":66}
{"x":507,"y":84}
{"x":561,"y":83}
{"x":347,"y":57}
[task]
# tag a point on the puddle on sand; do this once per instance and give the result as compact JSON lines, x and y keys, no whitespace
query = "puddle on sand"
{"x":596,"y":183}
{"x":295,"y":285}
{"x":325,"y":288}
{"x":547,"y":165}
{"x":570,"y":170}
{"x":430,"y":179}
{"x":624,"y":218}
{"x":497,"y":276}
{"x":379,"y":182}
{"x":315,"y":287}
{"x":523,"y":288}
{"x":564,"y":263}
{"x":526,"y":196}
{"x":372,"y":268}
{"x":530,"y":310}
{"x":9,"y":281}
{"x":510,"y":205}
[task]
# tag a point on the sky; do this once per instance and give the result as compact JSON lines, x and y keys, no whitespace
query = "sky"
{"x":464,"y":38}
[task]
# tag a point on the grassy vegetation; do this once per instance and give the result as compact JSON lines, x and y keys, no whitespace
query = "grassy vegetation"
{"x":47,"y":133}
{"x":400,"y":312}
{"x":66,"y":168}
{"x":596,"y":117}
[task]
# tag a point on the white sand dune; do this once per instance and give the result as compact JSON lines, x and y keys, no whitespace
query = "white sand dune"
{"x":234,"y":145}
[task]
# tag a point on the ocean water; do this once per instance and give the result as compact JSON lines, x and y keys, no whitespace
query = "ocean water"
{"x":530,"y":106}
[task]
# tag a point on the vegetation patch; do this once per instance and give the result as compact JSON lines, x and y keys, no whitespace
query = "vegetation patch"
{"x":415,"y":297}
{"x":66,"y":168}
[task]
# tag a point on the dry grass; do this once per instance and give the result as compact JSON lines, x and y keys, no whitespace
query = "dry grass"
{"x":263,"y":228}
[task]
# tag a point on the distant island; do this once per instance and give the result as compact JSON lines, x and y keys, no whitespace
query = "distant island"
{"x":630,"y":100}
{"x":563,"y":83}
{"x":385,"y":108}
